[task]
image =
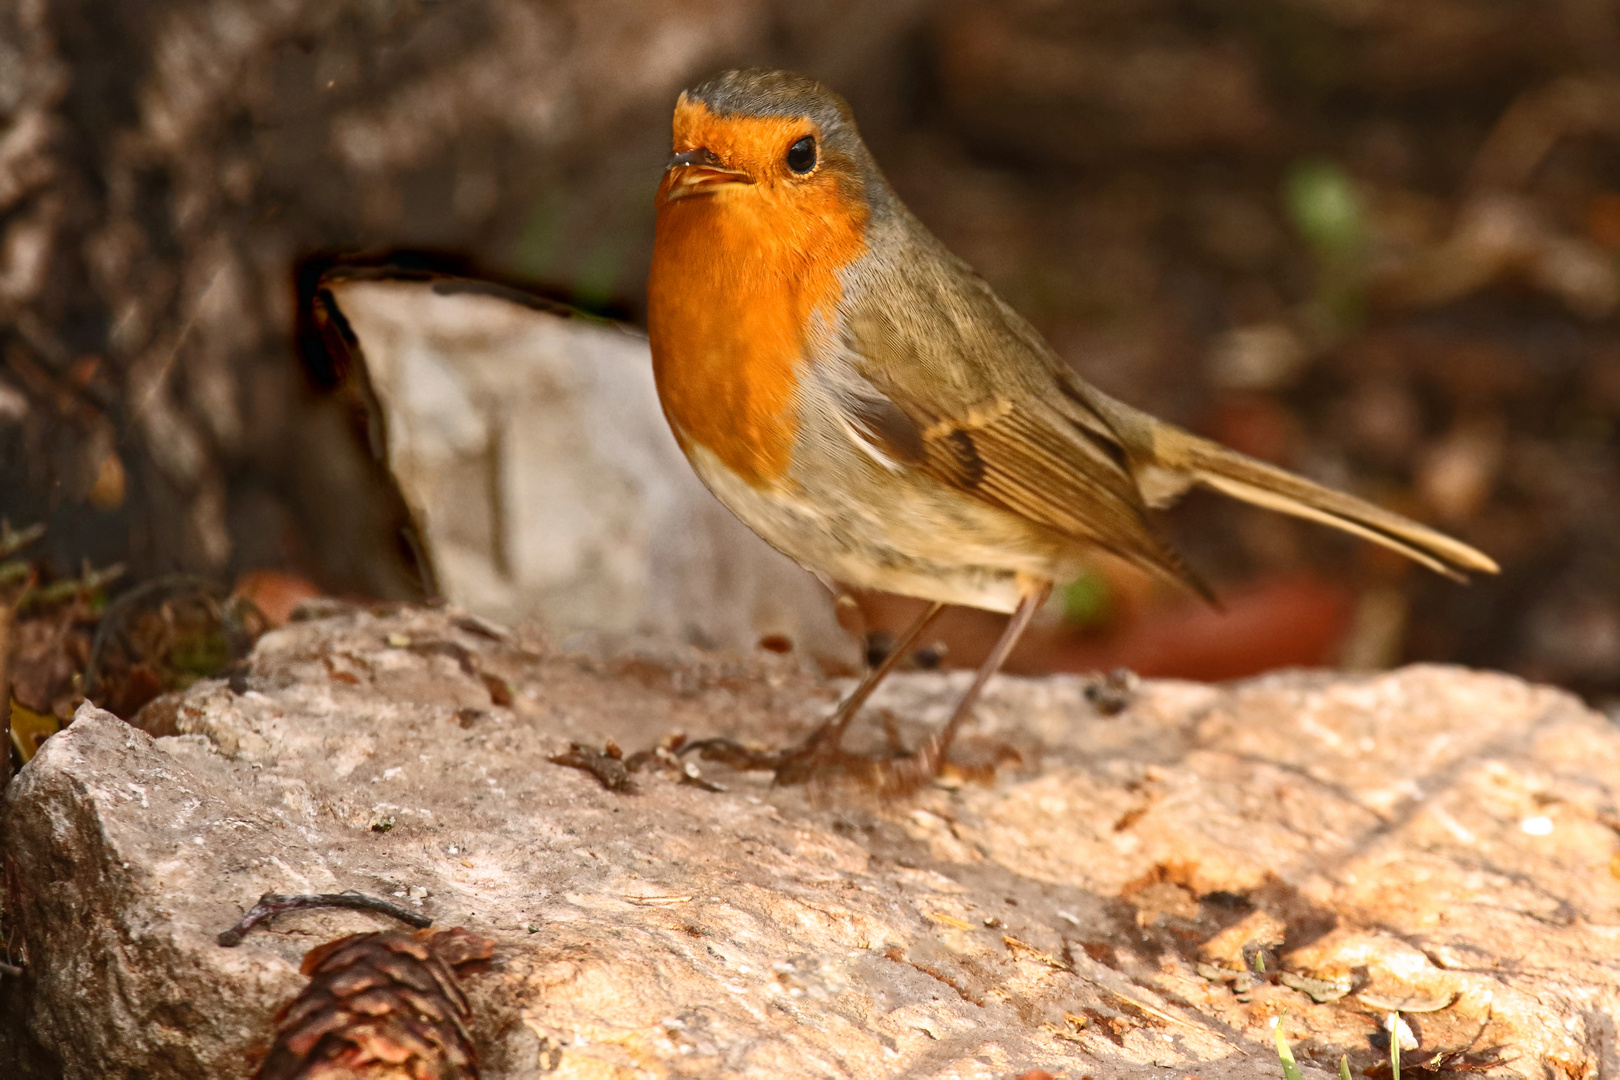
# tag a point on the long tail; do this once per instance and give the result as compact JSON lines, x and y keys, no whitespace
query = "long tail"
{"x":1265,"y":485}
{"x":1168,"y":460}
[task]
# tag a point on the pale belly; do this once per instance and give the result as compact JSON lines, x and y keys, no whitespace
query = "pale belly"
{"x":872,"y":528}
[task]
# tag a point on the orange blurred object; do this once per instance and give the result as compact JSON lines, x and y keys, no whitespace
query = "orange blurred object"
{"x":1294,"y":620}
{"x":1257,"y":425}
{"x":276,"y":593}
{"x":1288,"y":620}
{"x":1603,"y":220}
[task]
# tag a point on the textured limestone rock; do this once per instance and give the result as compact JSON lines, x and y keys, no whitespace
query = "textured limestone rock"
{"x":546,"y":485}
{"x":1432,"y":839}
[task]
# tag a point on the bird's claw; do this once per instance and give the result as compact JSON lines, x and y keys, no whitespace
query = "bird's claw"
{"x":892,"y":774}
{"x":735,"y":755}
{"x":818,"y":760}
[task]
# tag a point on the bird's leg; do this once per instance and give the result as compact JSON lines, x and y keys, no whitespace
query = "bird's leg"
{"x":833,"y":730}
{"x":926,"y":763}
{"x":794,"y":766}
{"x":791,"y":765}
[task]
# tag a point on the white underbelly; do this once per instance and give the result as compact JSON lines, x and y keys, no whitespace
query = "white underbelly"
{"x":877,"y":531}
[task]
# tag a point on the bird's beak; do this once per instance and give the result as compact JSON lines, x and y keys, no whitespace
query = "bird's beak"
{"x":698,"y":172}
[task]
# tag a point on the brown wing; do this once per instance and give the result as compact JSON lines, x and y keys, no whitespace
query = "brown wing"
{"x":974,"y":399}
{"x":953,"y":382}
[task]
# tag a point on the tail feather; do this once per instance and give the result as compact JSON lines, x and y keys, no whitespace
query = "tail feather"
{"x":1167,"y":460}
{"x":1265,"y":485}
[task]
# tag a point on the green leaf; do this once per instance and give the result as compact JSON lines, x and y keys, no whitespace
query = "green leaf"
{"x":1323,"y":204}
{"x":1088,"y":600}
{"x":1290,"y":1067}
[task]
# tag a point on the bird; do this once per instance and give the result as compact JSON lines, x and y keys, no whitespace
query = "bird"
{"x":864,"y":401}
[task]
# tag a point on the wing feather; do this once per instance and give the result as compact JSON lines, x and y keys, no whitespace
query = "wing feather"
{"x":960,"y":387}
{"x":1046,"y":457}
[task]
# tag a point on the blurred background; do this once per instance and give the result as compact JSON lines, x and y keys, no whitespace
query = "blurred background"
{"x":1372,"y":240}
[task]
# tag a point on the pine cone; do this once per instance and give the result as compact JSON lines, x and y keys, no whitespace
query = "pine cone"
{"x":380,"y":1005}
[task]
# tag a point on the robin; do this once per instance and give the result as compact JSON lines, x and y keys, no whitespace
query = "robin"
{"x":864,"y":401}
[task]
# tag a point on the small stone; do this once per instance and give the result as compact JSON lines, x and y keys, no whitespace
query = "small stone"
{"x":1407,"y":1003}
{"x":1318,"y":990}
{"x":1401,"y":1031}
{"x":1234,"y":946}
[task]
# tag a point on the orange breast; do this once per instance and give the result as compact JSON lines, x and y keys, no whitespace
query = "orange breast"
{"x":743,"y":280}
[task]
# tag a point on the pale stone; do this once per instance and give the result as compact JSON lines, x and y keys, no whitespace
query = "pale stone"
{"x":535,"y":459}
{"x":1050,"y":920}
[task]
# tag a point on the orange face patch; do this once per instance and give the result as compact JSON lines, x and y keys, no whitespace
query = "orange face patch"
{"x":744,"y":277}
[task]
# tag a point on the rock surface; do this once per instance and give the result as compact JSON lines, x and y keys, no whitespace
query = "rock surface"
{"x":1432,"y":839}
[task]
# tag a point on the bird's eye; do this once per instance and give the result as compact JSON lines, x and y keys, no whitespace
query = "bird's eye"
{"x":801,"y":156}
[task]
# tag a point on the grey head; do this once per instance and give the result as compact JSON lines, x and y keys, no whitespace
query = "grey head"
{"x":766,"y":92}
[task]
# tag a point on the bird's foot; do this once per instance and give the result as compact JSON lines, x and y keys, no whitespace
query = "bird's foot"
{"x":897,"y":773}
{"x":816,"y":756}
{"x":820,"y":762}
{"x":735,"y":755}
